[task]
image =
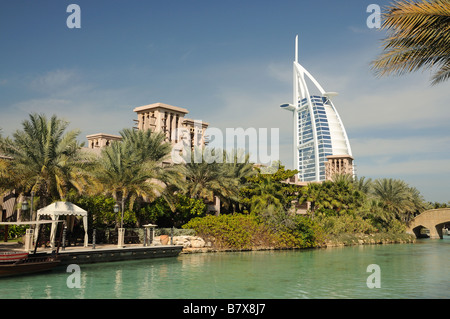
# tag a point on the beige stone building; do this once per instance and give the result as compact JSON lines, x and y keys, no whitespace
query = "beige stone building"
{"x":100,"y":140}
{"x":160,"y":117}
{"x":338,"y":164}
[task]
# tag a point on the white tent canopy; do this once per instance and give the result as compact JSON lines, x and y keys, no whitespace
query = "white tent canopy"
{"x":63,"y":208}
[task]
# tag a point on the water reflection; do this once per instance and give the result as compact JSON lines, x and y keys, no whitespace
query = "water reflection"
{"x":47,"y":291}
{"x":26,"y":292}
{"x":118,"y":284}
{"x":80,"y":292}
{"x":407,"y":271}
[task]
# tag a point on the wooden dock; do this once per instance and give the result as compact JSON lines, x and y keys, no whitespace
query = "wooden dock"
{"x":112,"y":253}
{"x":106,"y":253}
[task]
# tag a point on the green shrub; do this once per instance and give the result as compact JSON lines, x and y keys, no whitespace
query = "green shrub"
{"x":100,"y":209}
{"x":239,"y":231}
{"x":234,"y":231}
{"x":396,"y":227}
{"x":15,"y":231}
{"x":345,"y":224}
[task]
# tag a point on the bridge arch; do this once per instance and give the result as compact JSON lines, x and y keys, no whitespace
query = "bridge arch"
{"x":433,"y":219}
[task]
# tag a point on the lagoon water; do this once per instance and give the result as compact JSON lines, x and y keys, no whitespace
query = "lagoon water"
{"x":420,"y":270}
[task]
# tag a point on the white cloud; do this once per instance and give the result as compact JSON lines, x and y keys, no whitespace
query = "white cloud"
{"x":429,"y":176}
{"x":93,"y":114}
{"x":420,"y":161}
{"x":405,"y":168}
{"x":405,"y":146}
{"x":359,"y":30}
{"x":53,"y":82}
{"x":68,"y":95}
{"x":241,"y":108}
{"x":410,"y":105}
{"x":281,"y":72}
{"x":43,"y":105}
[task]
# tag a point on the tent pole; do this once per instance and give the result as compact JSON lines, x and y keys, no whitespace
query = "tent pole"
{"x":37,"y":240}
{"x":60,"y":236}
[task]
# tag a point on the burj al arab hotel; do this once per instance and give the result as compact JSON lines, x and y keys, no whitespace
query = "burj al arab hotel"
{"x":321,"y":146}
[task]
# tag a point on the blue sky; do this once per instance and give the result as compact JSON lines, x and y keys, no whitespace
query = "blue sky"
{"x":230,"y":64}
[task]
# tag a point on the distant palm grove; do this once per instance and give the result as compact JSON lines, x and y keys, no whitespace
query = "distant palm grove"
{"x":256,"y":210}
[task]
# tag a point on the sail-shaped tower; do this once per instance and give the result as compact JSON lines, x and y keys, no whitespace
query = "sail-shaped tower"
{"x":320,"y":139}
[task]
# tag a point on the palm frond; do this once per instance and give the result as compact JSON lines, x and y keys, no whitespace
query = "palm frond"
{"x":442,"y":75}
{"x":418,"y":37}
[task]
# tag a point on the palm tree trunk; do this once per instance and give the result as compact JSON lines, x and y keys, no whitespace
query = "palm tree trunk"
{"x":217,"y":205}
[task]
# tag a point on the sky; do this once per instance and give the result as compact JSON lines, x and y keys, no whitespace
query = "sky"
{"x":229,"y":63}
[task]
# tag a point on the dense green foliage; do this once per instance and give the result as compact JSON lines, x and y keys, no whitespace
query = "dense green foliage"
{"x":160,"y":213}
{"x":257,"y":209}
{"x":249,"y":231}
{"x":347,"y":205}
{"x":223,"y":178}
{"x":264,"y":190}
{"x":131,"y":169}
{"x":346,"y":224}
{"x":100,"y":209}
{"x":333,"y":198}
{"x":46,"y":158}
{"x":234,"y":231}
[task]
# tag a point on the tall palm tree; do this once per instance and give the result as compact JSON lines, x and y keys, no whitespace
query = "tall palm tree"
{"x":342,"y":178}
{"x":418,"y":203}
{"x":122,"y":175}
{"x":151,"y":147}
{"x":393,"y":194}
{"x":132,"y":169}
{"x":362,"y":184}
{"x":397,"y":197}
{"x":266,"y":194}
{"x":6,"y":181}
{"x":238,"y":165}
{"x":318,"y":195}
{"x":44,"y":157}
{"x":418,"y":37}
{"x":147,"y":145}
{"x":208,"y":180}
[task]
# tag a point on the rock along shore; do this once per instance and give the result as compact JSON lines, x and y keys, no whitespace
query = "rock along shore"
{"x":196,"y":244}
{"x":368,"y":239}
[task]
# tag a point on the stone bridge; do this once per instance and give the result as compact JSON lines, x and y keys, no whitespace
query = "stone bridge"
{"x":433,"y":219}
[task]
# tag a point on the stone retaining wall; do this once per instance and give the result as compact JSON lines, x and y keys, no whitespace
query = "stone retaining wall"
{"x":194,"y":244}
{"x":185,"y":241}
{"x":364,"y":239}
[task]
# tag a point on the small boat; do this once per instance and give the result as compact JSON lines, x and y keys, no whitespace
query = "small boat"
{"x":12,"y":256}
{"x":23,"y":263}
{"x":29,"y":265}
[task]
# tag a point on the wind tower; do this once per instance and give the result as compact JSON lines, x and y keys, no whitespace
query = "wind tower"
{"x":321,"y":147}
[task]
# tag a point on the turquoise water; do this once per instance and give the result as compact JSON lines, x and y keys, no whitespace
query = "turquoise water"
{"x":418,"y":270}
